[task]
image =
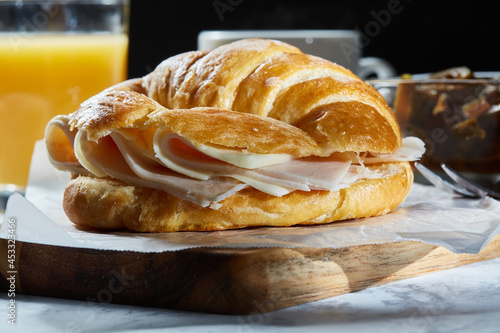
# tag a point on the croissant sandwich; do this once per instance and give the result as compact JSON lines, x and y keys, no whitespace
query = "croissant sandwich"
{"x":253,"y":133}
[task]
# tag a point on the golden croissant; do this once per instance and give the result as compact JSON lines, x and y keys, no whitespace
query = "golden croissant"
{"x":253,"y":133}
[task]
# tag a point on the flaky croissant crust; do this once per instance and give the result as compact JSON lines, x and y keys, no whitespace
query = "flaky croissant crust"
{"x":266,"y":78}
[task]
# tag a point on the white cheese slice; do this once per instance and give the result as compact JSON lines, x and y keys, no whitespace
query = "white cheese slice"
{"x":241,"y":157}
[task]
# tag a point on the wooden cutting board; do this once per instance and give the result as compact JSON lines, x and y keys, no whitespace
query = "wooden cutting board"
{"x":228,"y":281}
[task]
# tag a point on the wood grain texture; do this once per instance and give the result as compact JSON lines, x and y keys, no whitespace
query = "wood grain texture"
{"x":229,"y":281}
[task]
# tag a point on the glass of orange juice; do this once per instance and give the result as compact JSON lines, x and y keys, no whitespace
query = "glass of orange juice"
{"x":53,"y":55}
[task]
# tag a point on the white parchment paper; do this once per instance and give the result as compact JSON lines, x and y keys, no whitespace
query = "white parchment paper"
{"x":428,"y":215}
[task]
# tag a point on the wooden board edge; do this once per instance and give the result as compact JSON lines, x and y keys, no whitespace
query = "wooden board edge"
{"x":228,"y":281}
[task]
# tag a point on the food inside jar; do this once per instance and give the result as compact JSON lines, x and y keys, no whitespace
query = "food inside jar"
{"x":456,"y":114}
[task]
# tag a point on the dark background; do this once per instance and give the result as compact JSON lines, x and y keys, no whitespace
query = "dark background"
{"x":424,"y":36}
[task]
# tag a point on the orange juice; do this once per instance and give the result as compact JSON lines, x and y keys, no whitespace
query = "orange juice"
{"x":42,"y":75}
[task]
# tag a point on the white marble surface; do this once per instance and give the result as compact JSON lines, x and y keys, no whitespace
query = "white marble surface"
{"x":462,"y":299}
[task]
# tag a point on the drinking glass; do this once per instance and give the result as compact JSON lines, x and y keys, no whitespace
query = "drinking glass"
{"x":54,"y":55}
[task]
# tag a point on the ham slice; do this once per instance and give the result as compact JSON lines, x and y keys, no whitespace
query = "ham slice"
{"x":113,"y":158}
{"x":59,"y":142}
{"x":412,"y":149}
{"x":277,"y":179}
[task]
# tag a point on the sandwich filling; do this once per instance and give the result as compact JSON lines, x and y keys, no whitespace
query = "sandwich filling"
{"x":206,"y":174}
